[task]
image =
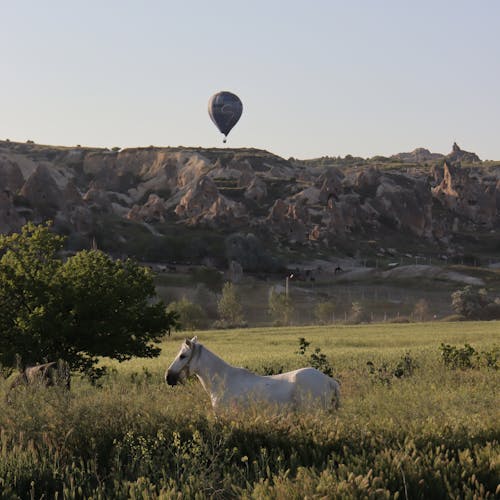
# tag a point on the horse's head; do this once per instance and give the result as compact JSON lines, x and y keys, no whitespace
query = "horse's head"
{"x":179,"y":370}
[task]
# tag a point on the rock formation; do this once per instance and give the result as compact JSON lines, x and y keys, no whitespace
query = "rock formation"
{"x":153,"y":210}
{"x":468,"y":195}
{"x":290,"y":205}
{"x":458,"y":155}
{"x":42,"y":193}
{"x":418,"y":155}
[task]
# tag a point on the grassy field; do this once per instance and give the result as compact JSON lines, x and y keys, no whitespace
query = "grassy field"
{"x":433,"y":433}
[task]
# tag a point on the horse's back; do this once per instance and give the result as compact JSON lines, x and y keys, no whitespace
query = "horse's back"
{"x":307,"y":375}
{"x":311,"y":384}
{"x":314,"y":378}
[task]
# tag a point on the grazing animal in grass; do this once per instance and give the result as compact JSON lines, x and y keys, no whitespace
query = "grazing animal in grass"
{"x":229,"y":386}
{"x":46,"y":375}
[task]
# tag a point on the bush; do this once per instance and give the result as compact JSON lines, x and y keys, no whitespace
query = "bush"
{"x":191,"y":316}
{"x":317,"y":359}
{"x":454,"y":357}
{"x":229,"y":307}
{"x":385,"y":374}
{"x":325,"y":312}
{"x":467,"y":357}
{"x":280,"y":308}
{"x":472,"y":304}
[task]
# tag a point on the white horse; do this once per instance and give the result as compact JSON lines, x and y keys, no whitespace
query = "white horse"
{"x":229,"y":386}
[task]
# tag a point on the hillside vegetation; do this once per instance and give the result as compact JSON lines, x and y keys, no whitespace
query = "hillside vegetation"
{"x":430,"y":431}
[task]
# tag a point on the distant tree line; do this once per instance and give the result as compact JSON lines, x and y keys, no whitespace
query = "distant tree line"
{"x":468,"y":303}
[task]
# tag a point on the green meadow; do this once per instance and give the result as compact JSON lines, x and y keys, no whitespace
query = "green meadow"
{"x":430,"y":432}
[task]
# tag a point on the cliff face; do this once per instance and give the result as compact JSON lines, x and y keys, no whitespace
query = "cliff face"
{"x":288,"y":205}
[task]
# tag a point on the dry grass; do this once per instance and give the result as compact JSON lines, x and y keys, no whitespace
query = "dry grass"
{"x":435,"y":433}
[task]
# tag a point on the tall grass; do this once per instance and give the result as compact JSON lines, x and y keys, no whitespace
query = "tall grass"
{"x":434,"y":434}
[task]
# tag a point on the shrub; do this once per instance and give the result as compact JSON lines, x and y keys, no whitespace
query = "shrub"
{"x":467,"y":357}
{"x":229,"y":306}
{"x":385,"y":374}
{"x":490,"y":358}
{"x":324,"y":312}
{"x":454,"y":357}
{"x":191,"y":316}
{"x":469,"y":302}
{"x":317,"y":359}
{"x":280,"y":308}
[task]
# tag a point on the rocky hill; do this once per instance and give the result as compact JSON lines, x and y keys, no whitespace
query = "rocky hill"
{"x":252,"y":207}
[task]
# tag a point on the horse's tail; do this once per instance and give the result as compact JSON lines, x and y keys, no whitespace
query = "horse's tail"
{"x":63,"y":377}
{"x":335,"y":387}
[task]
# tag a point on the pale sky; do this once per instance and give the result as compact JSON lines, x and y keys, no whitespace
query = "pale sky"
{"x":316,"y":77}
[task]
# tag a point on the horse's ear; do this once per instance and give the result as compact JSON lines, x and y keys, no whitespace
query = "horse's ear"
{"x":187,"y":342}
{"x":194,"y":339}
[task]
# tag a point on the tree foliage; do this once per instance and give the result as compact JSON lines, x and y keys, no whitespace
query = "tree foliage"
{"x":280,"y":307}
{"x":469,"y":302}
{"x":325,"y":312}
{"x":317,"y":359}
{"x":229,"y":306}
{"x":191,"y":316}
{"x":79,"y":309}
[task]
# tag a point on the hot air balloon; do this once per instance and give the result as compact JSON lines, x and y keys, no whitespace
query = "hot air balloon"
{"x":225,"y":109}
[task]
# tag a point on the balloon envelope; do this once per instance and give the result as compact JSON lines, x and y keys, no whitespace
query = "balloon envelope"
{"x":225,"y":109}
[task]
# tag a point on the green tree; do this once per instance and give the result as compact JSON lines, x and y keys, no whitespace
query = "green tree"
{"x":79,"y":309}
{"x":280,"y":308}
{"x":229,"y":306}
{"x":190,"y":316}
{"x":469,"y":302}
{"x":324,"y":312}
